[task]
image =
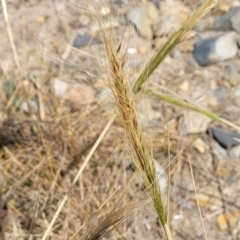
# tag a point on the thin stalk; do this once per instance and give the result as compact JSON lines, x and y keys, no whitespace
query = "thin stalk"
{"x":185,"y":104}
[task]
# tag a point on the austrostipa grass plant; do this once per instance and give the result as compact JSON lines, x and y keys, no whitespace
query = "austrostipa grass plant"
{"x":125,"y":99}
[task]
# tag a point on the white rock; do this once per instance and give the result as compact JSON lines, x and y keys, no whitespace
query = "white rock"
{"x":146,"y":114}
{"x":200,"y":145}
{"x":161,"y":176}
{"x":172,"y":15}
{"x":193,"y":122}
{"x":142,"y":17}
{"x":235,"y":152}
{"x":225,"y":47}
{"x":73,"y":92}
{"x":184,"y":86}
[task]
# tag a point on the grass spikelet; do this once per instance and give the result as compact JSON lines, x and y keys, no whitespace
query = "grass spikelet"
{"x":100,"y":228}
{"x":125,"y":99}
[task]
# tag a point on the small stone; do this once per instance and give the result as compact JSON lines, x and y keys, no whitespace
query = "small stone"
{"x":43,"y":19}
{"x":200,"y":145}
{"x":221,"y":8}
{"x":220,"y":93}
{"x":193,"y":122}
{"x":238,"y":42}
{"x":222,"y":222}
{"x":162,"y":178}
{"x":73,"y":92}
{"x":230,"y":218}
{"x":30,"y":106}
{"x":83,"y":40}
{"x":146,"y":112}
{"x":208,"y":197}
{"x":132,"y":51}
{"x":172,"y":15}
{"x":224,"y":138}
{"x":142,"y":18}
{"x":236,"y":96}
{"x":176,"y":54}
{"x":184,"y":86}
{"x":234,"y":77}
{"x":156,"y":3}
{"x":231,"y":112}
{"x":229,"y":21}
{"x":186,"y":46}
{"x":218,"y":151}
{"x":235,"y":152}
{"x":215,"y":49}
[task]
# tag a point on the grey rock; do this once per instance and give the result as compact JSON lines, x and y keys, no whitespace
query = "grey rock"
{"x":229,"y":21}
{"x":176,"y":54}
{"x":156,"y":3}
{"x":231,"y":112}
{"x":218,"y":151}
{"x":238,"y":42}
{"x":83,"y":40}
{"x":235,"y":152}
{"x":225,"y":139}
{"x":142,"y":18}
{"x":220,"y":93}
{"x":216,"y":49}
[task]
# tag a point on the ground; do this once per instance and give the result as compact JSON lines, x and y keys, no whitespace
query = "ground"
{"x":54,"y":107}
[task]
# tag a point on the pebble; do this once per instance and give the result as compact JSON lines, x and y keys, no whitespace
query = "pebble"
{"x":236,"y":95}
{"x":234,"y":77}
{"x":215,"y":49}
{"x":30,"y":106}
{"x":162,"y":178}
{"x":208,"y":197}
{"x":75,"y":93}
{"x":235,"y":152}
{"x":142,"y":18}
{"x":229,"y":21}
{"x":83,"y":40}
{"x":146,"y":113}
{"x":186,"y":46}
{"x":220,"y":93}
{"x":171,"y":17}
{"x":221,"y":8}
{"x":200,"y":145}
{"x":193,"y":122}
{"x":156,"y":3}
{"x":184,"y":86}
{"x":224,"y":138}
{"x":218,"y":151}
{"x":238,"y":42}
{"x":223,"y":219}
{"x":176,"y":54}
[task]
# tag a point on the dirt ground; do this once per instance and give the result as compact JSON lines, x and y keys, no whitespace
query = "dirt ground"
{"x":54,"y":107}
